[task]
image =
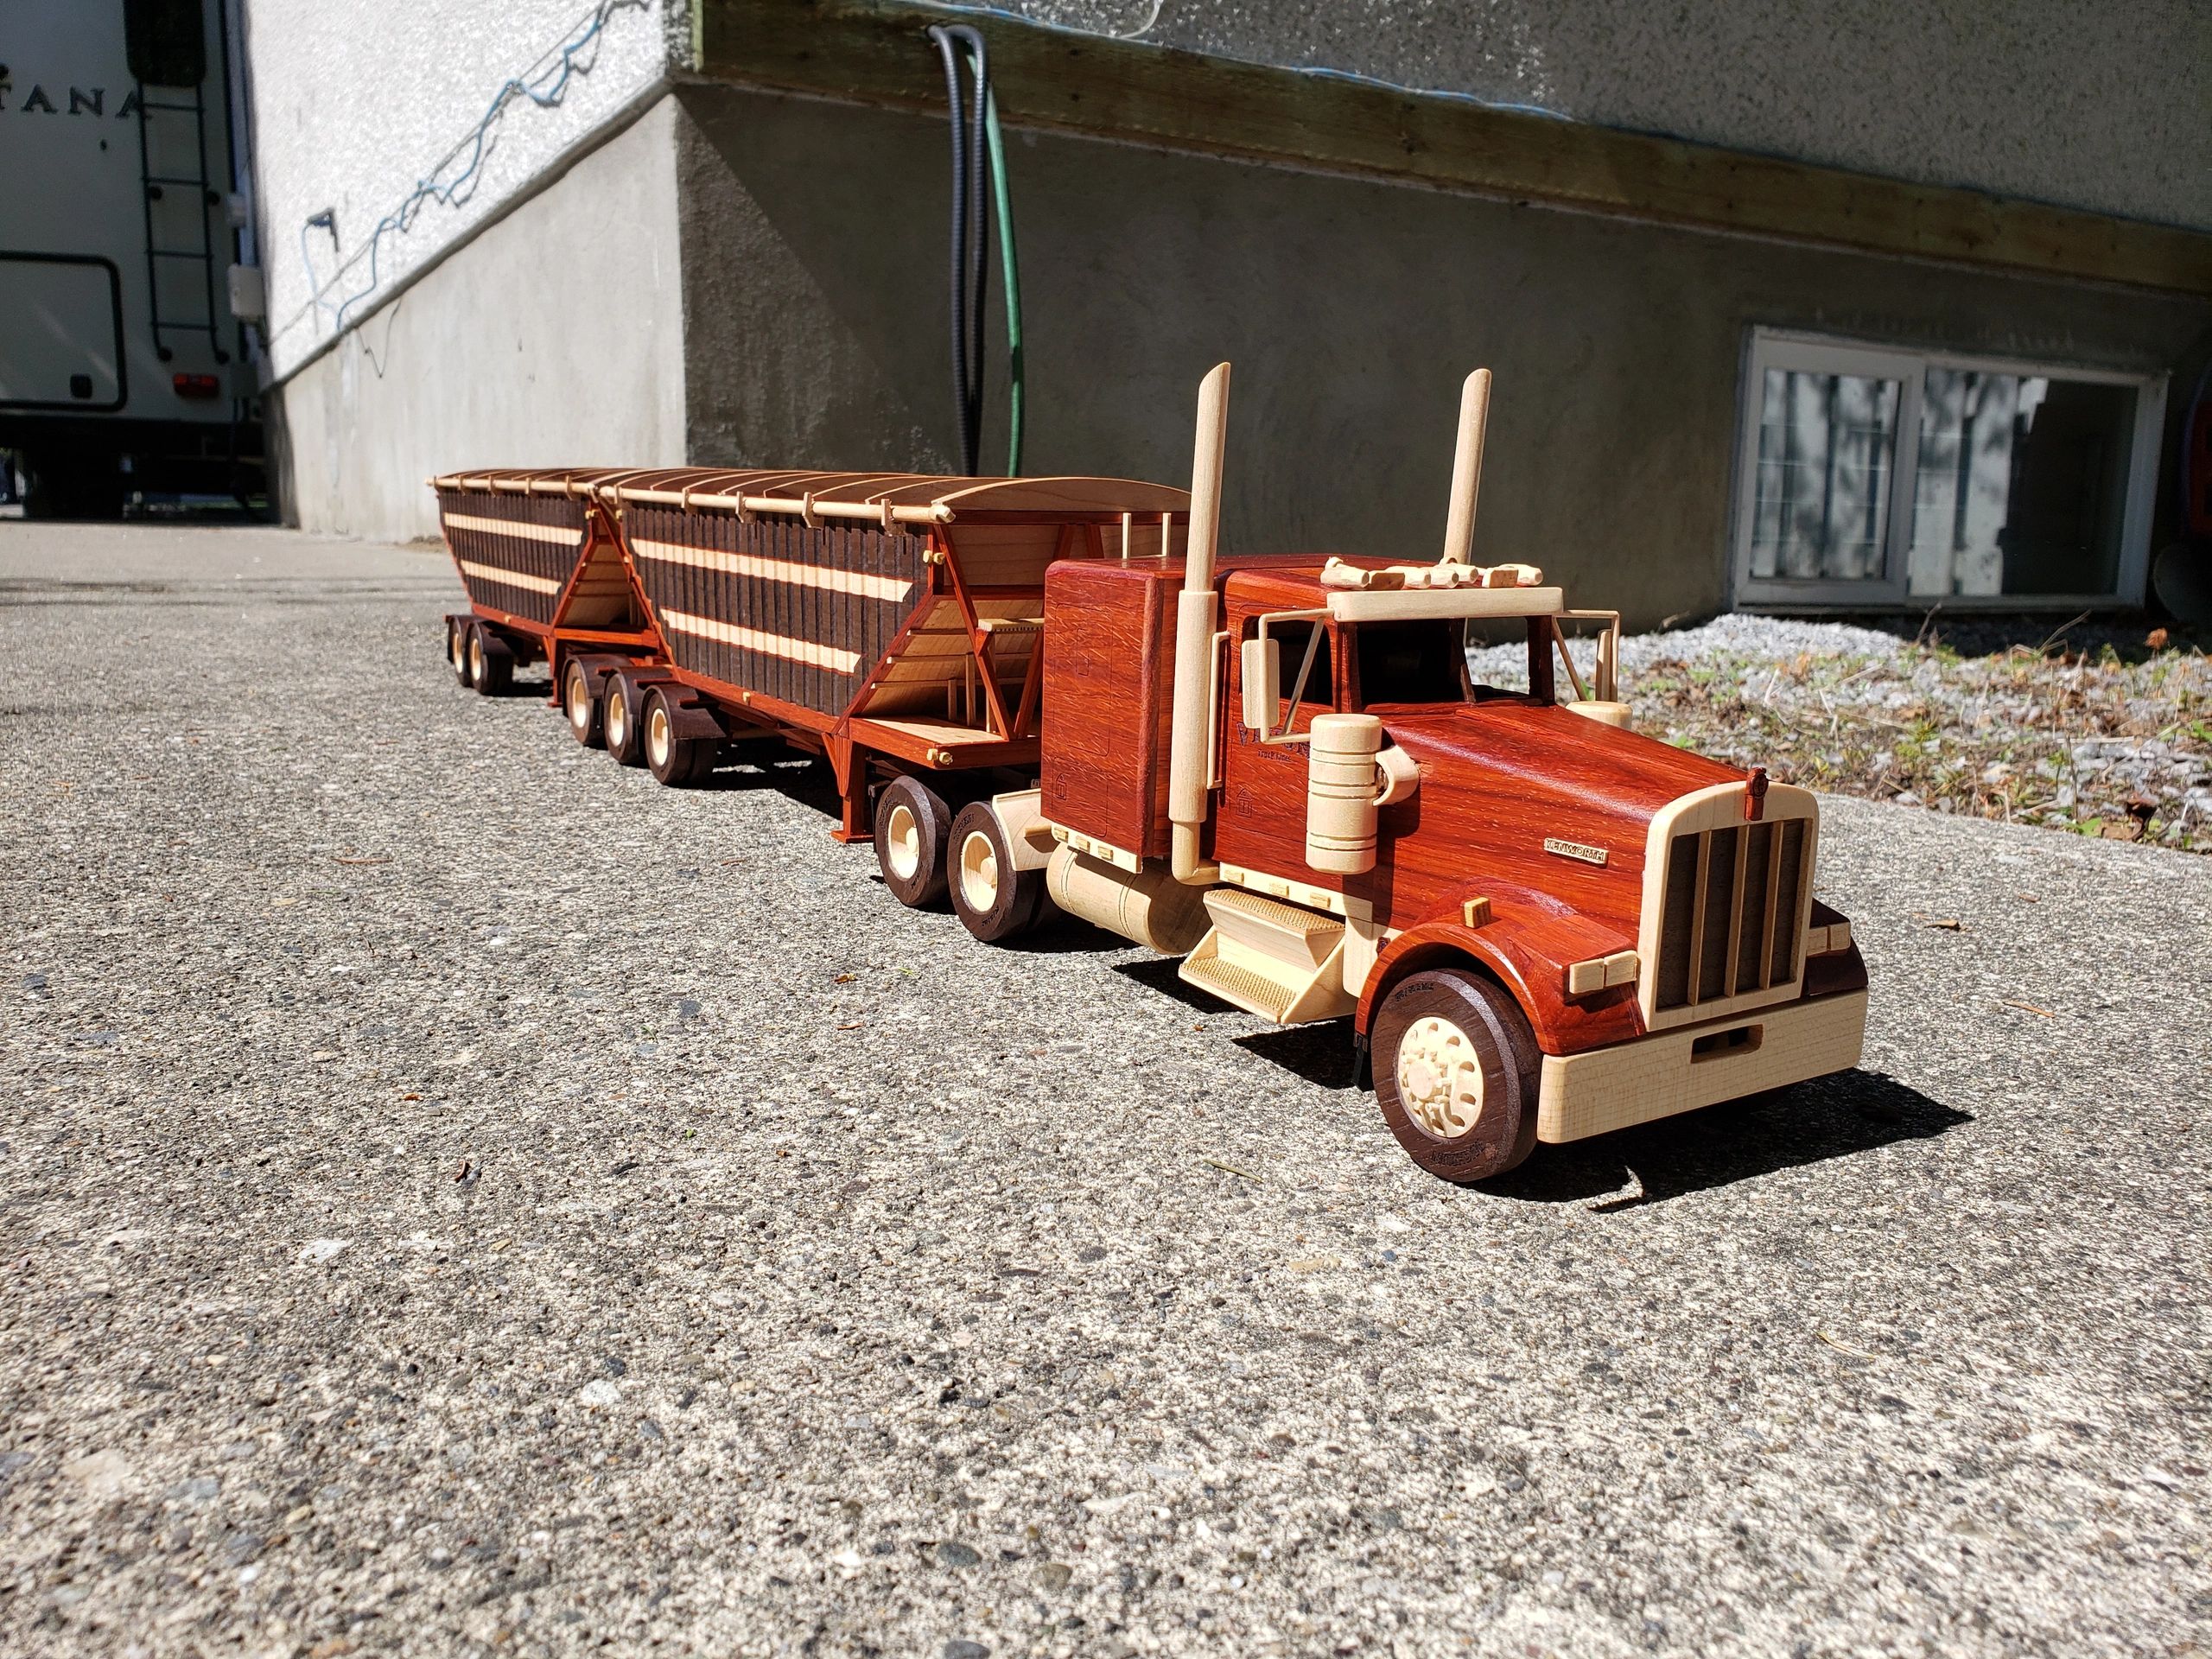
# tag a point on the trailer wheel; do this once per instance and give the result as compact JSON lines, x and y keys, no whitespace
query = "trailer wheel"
{"x":458,"y":629}
{"x":490,"y":664}
{"x":618,"y":722}
{"x":1456,"y":1073}
{"x":912,"y":828}
{"x":582,"y":706}
{"x":994,"y":900}
{"x":676,"y":761}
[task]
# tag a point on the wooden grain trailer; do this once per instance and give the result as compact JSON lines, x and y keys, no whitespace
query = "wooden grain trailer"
{"x":1042,"y":694}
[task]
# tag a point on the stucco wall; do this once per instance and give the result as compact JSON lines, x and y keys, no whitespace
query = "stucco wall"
{"x":814,"y":257}
{"x":355,"y":105}
{"x":553,"y":338}
{"x":2098,"y":106}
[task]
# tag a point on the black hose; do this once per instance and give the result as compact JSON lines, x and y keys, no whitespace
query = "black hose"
{"x":941,"y":37}
{"x":978,"y":233}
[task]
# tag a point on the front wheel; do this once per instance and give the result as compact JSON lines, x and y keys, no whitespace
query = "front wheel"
{"x":1457,"y":1073}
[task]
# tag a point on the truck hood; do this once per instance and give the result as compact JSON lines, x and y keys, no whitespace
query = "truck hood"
{"x":1529,"y":799}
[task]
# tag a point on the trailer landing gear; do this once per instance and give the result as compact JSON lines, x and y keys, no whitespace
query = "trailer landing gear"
{"x":1456,"y":1074}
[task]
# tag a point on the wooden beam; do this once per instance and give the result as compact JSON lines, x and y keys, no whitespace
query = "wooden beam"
{"x":1131,"y":92}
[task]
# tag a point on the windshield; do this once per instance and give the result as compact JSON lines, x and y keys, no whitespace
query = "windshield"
{"x":1450,"y":660}
{"x":1411,"y":662}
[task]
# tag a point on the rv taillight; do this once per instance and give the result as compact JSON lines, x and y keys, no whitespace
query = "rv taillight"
{"x":198,"y":386}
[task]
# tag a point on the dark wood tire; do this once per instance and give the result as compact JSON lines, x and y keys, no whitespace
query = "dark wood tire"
{"x":580,"y":703}
{"x":1457,"y":1071}
{"x":621,"y":724}
{"x":458,"y":629}
{"x":491,"y":663}
{"x":913,"y":826}
{"x":994,"y":901}
{"x":676,"y":761}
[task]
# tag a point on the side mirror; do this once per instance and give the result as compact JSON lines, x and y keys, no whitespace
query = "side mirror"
{"x":1262,"y":672}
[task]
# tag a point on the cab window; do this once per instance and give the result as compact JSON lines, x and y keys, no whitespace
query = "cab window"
{"x":1411,"y":663}
{"x":1320,"y":684}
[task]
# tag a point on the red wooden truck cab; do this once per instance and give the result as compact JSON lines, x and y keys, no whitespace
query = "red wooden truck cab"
{"x":1550,"y":927}
{"x":1541,"y":925}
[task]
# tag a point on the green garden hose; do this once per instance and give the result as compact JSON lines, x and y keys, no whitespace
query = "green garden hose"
{"x":1013,"y":266}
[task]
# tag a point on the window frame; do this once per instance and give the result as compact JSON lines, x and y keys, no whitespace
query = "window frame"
{"x":1789,"y":350}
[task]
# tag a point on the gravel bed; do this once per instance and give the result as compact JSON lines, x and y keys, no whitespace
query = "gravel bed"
{"x":459,"y":1197}
{"x":2098,"y":731}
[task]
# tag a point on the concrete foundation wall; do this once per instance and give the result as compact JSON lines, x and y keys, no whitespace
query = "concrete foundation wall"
{"x":555,"y":338}
{"x":2099,"y":106}
{"x":815,"y":286}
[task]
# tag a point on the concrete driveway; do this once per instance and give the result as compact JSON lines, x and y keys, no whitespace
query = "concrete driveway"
{"x":461,"y":1197}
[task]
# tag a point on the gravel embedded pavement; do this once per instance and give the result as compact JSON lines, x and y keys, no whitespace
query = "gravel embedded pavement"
{"x":460,"y":1197}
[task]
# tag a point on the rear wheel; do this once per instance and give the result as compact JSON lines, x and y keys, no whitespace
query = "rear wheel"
{"x":619,"y":724}
{"x":580,"y":703}
{"x":994,"y":900}
{"x":912,"y":828}
{"x":458,"y":629}
{"x":1456,"y":1073}
{"x":676,"y":761}
{"x":490,"y":664}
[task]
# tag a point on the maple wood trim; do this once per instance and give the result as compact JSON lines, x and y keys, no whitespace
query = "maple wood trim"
{"x":1134,"y":92}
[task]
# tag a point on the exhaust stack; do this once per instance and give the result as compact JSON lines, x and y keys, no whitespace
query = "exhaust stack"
{"x":1192,"y":712}
{"x":1466,"y":469}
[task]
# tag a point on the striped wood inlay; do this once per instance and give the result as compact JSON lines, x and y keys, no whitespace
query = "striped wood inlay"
{"x":510,"y":578}
{"x":768,"y":645}
{"x":747,"y":564}
{"x":559,"y":533}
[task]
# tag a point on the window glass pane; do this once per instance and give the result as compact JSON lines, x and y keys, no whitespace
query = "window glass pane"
{"x":1498,"y":657}
{"x":1410,"y":662}
{"x":2021,"y":487}
{"x":1295,"y":638}
{"x":1827,"y":443}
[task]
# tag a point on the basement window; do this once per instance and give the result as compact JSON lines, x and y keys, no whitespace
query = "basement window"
{"x":1869,"y":478}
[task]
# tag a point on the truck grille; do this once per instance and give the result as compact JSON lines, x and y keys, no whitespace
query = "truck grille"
{"x":1733,"y":902}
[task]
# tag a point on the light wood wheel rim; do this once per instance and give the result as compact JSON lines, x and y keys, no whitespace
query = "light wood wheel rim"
{"x":658,"y":738}
{"x":618,"y":717}
{"x":1440,"y":1077}
{"x":578,"y":701}
{"x":906,"y":847}
{"x":978,"y":873}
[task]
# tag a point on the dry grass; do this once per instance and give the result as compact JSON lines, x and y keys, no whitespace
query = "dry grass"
{"x":2099,"y":740}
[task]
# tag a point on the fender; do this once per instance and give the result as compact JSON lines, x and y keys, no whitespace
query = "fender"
{"x":1527,"y":946}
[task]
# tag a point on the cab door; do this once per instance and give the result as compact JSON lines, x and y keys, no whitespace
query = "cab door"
{"x":1259,"y":821}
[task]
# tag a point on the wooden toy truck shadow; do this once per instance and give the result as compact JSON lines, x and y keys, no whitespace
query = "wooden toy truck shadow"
{"x":1838,"y":1116}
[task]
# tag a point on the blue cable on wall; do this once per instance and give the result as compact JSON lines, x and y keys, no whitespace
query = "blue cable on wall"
{"x":477,"y":146}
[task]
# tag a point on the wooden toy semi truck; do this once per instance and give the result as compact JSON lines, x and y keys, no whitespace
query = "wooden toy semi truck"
{"x":1041,"y":694}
